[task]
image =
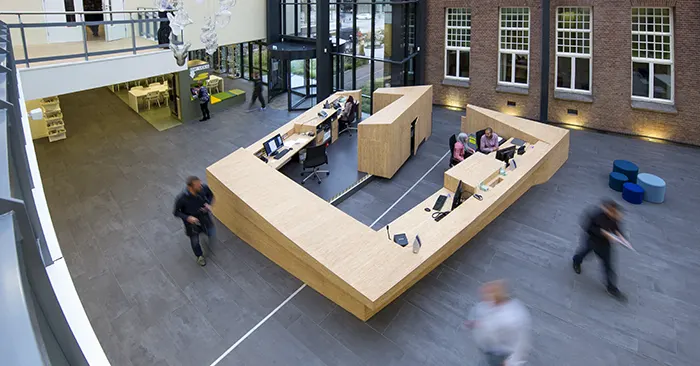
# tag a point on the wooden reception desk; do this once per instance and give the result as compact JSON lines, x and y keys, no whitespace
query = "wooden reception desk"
{"x":352,"y":265}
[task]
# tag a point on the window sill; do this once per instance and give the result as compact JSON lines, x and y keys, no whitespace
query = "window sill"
{"x":457,"y":83}
{"x":513,"y":89}
{"x":574,"y":97}
{"x":654,"y":106}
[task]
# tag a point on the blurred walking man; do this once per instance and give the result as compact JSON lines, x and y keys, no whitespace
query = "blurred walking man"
{"x":257,"y":93}
{"x":193,"y":206}
{"x":600,"y":227}
{"x":501,"y":326}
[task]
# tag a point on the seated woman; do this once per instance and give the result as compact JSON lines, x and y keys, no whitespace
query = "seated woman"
{"x":461,"y":150}
{"x":348,"y":113}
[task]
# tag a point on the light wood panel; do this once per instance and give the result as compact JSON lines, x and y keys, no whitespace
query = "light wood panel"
{"x":354,"y":266}
{"x":473,"y":171}
{"x":384,"y":140}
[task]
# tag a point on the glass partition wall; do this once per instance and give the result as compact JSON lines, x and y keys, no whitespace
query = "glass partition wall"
{"x":373,"y":45}
{"x":238,"y":60}
{"x":377,"y":45}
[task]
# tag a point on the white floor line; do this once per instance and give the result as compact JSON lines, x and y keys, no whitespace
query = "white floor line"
{"x":216,"y":362}
{"x":257,"y":326}
{"x":409,"y":190}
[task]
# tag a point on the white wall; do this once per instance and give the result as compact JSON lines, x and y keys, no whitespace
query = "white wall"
{"x":50,"y":80}
{"x":248,"y":22}
{"x":33,"y":36}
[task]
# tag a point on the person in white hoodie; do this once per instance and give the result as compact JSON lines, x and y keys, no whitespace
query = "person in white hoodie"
{"x":501,"y":326}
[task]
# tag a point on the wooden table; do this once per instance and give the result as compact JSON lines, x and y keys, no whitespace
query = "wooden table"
{"x":139,"y":93}
{"x":298,"y":128}
{"x":354,"y":266}
{"x":295,"y":143}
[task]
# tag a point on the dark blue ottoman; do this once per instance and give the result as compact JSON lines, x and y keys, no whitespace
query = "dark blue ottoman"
{"x":632,"y":193}
{"x":627,"y":168}
{"x":616,"y":180}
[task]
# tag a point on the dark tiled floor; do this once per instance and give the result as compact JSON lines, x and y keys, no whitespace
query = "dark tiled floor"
{"x":110,"y":187}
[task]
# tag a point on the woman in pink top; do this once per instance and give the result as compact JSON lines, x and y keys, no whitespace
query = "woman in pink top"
{"x":461,"y":147}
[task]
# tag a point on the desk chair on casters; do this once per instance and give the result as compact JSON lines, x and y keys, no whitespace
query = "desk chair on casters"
{"x":315,"y":157}
{"x":354,"y":116}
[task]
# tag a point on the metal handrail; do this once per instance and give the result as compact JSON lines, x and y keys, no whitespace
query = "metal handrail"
{"x":32,"y":317}
{"x":147,"y":19}
{"x":3,"y":12}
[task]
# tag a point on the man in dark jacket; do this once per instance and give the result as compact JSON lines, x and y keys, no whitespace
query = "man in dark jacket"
{"x":257,"y":92}
{"x":600,"y":228}
{"x":193,"y":206}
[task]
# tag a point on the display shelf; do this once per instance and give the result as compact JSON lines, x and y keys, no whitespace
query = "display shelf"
{"x":53,"y":118}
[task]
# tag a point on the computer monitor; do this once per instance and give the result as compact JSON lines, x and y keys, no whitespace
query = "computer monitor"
{"x":273,"y":144}
{"x":457,"y":200}
{"x":505,"y":154}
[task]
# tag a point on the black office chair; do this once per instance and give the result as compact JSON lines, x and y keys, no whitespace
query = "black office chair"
{"x":315,"y":157}
{"x":353,"y":117}
{"x":453,"y":141}
{"x":478,"y":138}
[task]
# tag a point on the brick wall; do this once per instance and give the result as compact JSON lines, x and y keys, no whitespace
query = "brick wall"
{"x":611,"y":108}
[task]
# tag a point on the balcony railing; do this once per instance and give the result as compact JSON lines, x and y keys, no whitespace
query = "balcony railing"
{"x":50,"y":37}
{"x":34,"y":329}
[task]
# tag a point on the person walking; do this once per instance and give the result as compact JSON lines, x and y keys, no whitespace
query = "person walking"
{"x":203,"y":96}
{"x":601,"y":226}
{"x":93,"y":6}
{"x":193,"y":206}
{"x":257,"y":92}
{"x":501,"y":326}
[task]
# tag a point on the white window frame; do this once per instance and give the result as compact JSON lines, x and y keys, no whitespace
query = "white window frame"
{"x":458,"y":49}
{"x":652,"y":61}
{"x":573,"y":55}
{"x":513,"y":53}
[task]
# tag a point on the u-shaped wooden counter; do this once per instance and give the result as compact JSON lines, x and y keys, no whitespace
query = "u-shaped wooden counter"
{"x":356,"y":267}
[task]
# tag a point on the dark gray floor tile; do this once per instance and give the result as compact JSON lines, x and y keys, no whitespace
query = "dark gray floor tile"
{"x":360,"y":338}
{"x":431,"y":339}
{"x":272,"y":344}
{"x":325,"y":347}
{"x":313,"y":305}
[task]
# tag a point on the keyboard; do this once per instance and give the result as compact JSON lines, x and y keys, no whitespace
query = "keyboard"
{"x":281,"y":153}
{"x":440,"y":202}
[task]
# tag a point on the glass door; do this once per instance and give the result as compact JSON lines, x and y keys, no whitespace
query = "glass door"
{"x":301,"y":91}
{"x":277,"y":81}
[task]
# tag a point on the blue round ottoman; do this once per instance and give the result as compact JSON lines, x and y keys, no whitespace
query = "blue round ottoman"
{"x":654,"y":187}
{"x":616,"y":180}
{"x":627,"y":168}
{"x":632,"y":193}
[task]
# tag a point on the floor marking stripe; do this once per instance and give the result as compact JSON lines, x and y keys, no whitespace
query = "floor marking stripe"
{"x":216,"y":362}
{"x":257,"y":326}
{"x":410,"y":189}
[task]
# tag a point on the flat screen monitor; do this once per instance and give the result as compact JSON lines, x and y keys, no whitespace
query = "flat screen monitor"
{"x":505,"y":154}
{"x":457,"y":200}
{"x":273,"y":144}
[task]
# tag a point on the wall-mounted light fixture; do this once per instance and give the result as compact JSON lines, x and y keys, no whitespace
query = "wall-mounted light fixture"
{"x":511,"y":103}
{"x":573,"y":112}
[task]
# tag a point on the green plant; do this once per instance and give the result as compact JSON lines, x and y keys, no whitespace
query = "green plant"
{"x":298,"y":68}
